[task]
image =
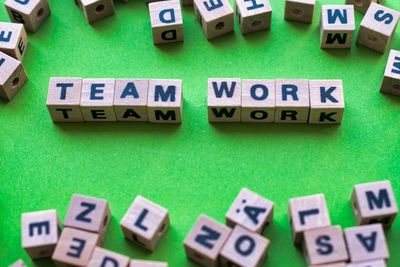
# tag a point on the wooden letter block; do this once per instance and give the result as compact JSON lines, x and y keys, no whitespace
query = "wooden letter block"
{"x":30,"y":13}
{"x":224,"y":100}
{"x":391,"y":79}
{"x":216,"y":17}
{"x":250,"y":211}
{"x":340,"y":264}
{"x":292,"y":101}
{"x":307,"y":213}
{"x":378,"y":263}
{"x":165,"y":99}
{"x":300,"y":10}
{"x":145,"y":223}
{"x":366,"y":243}
{"x":166,"y":21}
{"x":139,"y":263}
{"x":75,"y":247}
{"x":374,"y":203}
{"x":13,"y":39}
{"x":130,"y":100}
{"x":363,"y":5}
{"x":244,"y":249}
{"x":12,"y":76}
{"x":103,"y":258}
{"x":327,"y":101}
{"x":97,"y":100}
{"x":377,"y":27}
{"x":95,"y":10}
{"x":40,"y":233}
{"x":205,"y":240}
{"x":18,"y":263}
{"x":253,"y":15}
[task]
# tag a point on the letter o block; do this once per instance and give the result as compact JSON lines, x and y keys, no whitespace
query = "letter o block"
{"x":30,"y":13}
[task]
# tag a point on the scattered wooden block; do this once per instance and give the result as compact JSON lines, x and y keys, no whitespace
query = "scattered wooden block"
{"x":145,"y":223}
{"x":13,"y":39}
{"x":374,"y":203}
{"x":12,"y":76}
{"x":363,"y":5}
{"x":215,"y":17}
{"x":378,"y":263}
{"x":366,"y":243}
{"x":31,"y":13}
{"x":95,"y":10}
{"x":391,"y":78}
{"x":224,"y":100}
{"x":377,"y":27}
{"x":103,"y":257}
{"x":300,"y":10}
{"x":18,"y":263}
{"x":187,"y":2}
{"x":139,"y":263}
{"x":340,"y":264}
{"x":244,"y":249}
{"x":250,"y":211}
{"x":205,"y":240}
{"x":165,"y":99}
{"x":253,"y":15}
{"x":130,"y":99}
{"x":327,"y":101}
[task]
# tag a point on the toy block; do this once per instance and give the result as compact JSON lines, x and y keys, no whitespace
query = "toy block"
{"x":75,"y":247}
{"x":95,"y":10}
{"x":224,"y":100}
{"x":307,"y":213}
{"x":377,"y":27}
{"x":374,"y":203}
{"x":145,"y":223}
{"x":164,"y":102}
{"x":187,"y":2}
{"x":250,"y":211}
{"x":363,"y":5}
{"x":97,"y":99}
{"x":13,"y":39}
{"x":340,"y":264}
{"x":18,"y":263}
{"x":391,"y":79}
{"x":326,"y":101}
{"x":258,"y":101}
{"x":89,"y":214}
{"x":12,"y":76}
{"x":337,"y":26}
{"x":244,"y":249}
{"x":253,"y":15}
{"x":300,"y":10}
{"x":216,"y":18}
{"x":40,"y":233}
{"x":378,"y":263}
{"x":103,"y":257}
{"x":139,"y":263}
{"x":366,"y":243}
{"x":292,"y":101}
{"x":166,"y":21}
{"x":130,"y":100}
{"x":205,"y":241}
{"x":30,"y":13}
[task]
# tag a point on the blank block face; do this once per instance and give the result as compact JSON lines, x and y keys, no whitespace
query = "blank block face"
{"x":30,"y":13}
{"x":300,"y":10}
{"x":378,"y":263}
{"x":340,"y":264}
{"x":377,"y":27}
{"x":40,"y":233}
{"x":391,"y":79}
{"x":292,"y":101}
{"x":18,"y":263}
{"x":244,"y":248}
{"x":327,"y":101}
{"x":165,"y":99}
{"x":363,"y":5}
{"x":95,"y":10}
{"x":130,"y":100}
{"x":139,"y":263}
{"x":145,"y":223}
{"x":13,"y":39}
{"x":366,"y":243}
{"x":253,"y":15}
{"x":97,"y":99}
{"x":103,"y":257}
{"x":12,"y":76}
{"x":374,"y":203}
{"x":307,"y":213}
{"x":250,"y":211}
{"x":224,"y":100}
{"x":205,"y":240}
{"x":258,"y":101}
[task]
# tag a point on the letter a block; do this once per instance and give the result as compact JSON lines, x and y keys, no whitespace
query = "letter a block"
{"x":253,"y":15}
{"x":300,"y":10}
{"x":224,"y":100}
{"x":378,"y":263}
{"x":391,"y":79}
{"x":95,"y":10}
{"x":40,"y":233}
{"x":103,"y":257}
{"x":12,"y":76}
{"x":30,"y":13}
{"x":139,"y":263}
{"x":145,"y":223}
{"x":13,"y":39}
{"x":130,"y":100}
{"x":363,"y":5}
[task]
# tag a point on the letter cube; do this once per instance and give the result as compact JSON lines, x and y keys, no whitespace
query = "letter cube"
{"x":30,"y":13}
{"x":216,"y":17}
{"x":40,"y":233}
{"x":340,"y":264}
{"x":139,"y":263}
{"x":363,"y":5}
{"x":95,"y":10}
{"x":378,"y":263}
{"x":391,"y":79}
{"x":130,"y":100}
{"x":13,"y":39}
{"x":145,"y":223}
{"x":12,"y":76}
{"x":18,"y":263}
{"x":103,"y":257}
{"x":300,"y":10}
{"x":253,"y":15}
{"x":224,"y":100}
{"x":377,"y":27}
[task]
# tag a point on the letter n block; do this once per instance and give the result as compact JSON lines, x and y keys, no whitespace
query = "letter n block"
{"x":13,"y":39}
{"x":40,"y":233}
{"x":12,"y":76}
{"x":140,"y":263}
{"x":30,"y":13}
{"x":95,"y":10}
{"x":224,"y":100}
{"x":300,"y":10}
{"x":103,"y":257}
{"x":391,"y":79}
{"x":130,"y":100}
{"x":253,"y":15}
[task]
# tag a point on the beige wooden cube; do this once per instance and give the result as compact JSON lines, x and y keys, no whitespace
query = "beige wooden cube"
{"x":340,"y":264}
{"x":18,"y":263}
{"x":13,"y":39}
{"x":164,"y":101}
{"x":145,"y":223}
{"x":363,"y":5}
{"x":102,"y":258}
{"x":30,"y":13}
{"x":95,"y":10}
{"x":187,"y":2}
{"x":140,"y":263}
{"x":300,"y":10}
{"x":327,"y":101}
{"x":216,"y":18}
{"x":40,"y":233}
{"x":205,"y":240}
{"x":377,"y":263}
{"x":377,"y":27}
{"x":130,"y":99}
{"x":253,"y":15}
{"x":12,"y":76}
{"x":224,"y":100}
{"x":391,"y":79}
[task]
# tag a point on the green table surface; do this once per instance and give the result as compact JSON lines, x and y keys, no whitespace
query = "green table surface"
{"x":195,"y":167}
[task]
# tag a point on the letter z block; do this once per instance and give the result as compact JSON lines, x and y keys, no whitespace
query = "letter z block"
{"x":95,"y":10}
{"x":363,"y":5}
{"x":103,"y":257}
{"x":300,"y":10}
{"x":12,"y":76}
{"x":130,"y":100}
{"x":13,"y":39}
{"x":30,"y":13}
{"x":391,"y":79}
{"x":378,"y":263}
{"x":253,"y":15}
{"x":139,"y":263}
{"x":224,"y":100}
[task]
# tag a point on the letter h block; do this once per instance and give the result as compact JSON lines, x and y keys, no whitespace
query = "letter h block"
{"x":13,"y":39}
{"x":224,"y":100}
{"x":12,"y":76}
{"x":30,"y":13}
{"x":391,"y":79}
{"x":253,"y":15}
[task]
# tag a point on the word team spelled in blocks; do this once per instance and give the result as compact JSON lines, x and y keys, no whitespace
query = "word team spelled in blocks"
{"x":253,"y":15}
{"x":95,"y":10}
{"x":378,"y":263}
{"x":30,"y":13}
{"x":363,"y":5}
{"x":13,"y":39}
{"x":12,"y":76}
{"x":300,"y":10}
{"x":130,"y":99}
{"x":140,"y":263}
{"x":224,"y":100}
{"x":391,"y":79}
{"x":103,"y":257}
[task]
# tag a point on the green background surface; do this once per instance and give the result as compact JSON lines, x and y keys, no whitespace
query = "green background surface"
{"x":195,"y":167}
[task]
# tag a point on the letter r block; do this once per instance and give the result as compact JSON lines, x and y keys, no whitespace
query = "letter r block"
{"x":103,"y":257}
{"x":391,"y":79}
{"x":224,"y":100}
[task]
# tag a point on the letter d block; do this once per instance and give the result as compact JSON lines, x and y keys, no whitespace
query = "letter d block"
{"x":31,"y":13}
{"x":253,"y":15}
{"x":40,"y":233}
{"x":12,"y":76}
{"x":224,"y":100}
{"x":103,"y":257}
{"x":391,"y":79}
{"x":300,"y":10}
{"x":13,"y":39}
{"x":130,"y":100}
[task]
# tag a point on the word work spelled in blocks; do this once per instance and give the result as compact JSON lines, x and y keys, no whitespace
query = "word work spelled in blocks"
{"x":216,"y":17}
{"x":374,"y":203}
{"x":363,"y":5}
{"x":377,"y":263}
{"x":377,"y":27}
{"x":145,"y":223}
{"x":40,"y":233}
{"x":18,"y":263}
{"x":95,"y":10}
{"x":130,"y":99}
{"x":391,"y":79}
{"x":140,"y":263}
{"x":224,"y":100}
{"x":300,"y":10}
{"x":30,"y":13}
{"x":12,"y":76}
{"x":13,"y":39}
{"x":253,"y":15}
{"x":103,"y":257}
{"x":250,"y":211}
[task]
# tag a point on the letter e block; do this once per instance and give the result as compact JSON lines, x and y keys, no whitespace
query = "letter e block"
{"x":253,"y":15}
{"x":300,"y":10}
{"x":378,"y":263}
{"x":130,"y":100}
{"x":140,"y":263}
{"x":12,"y":76}
{"x":13,"y":39}
{"x":30,"y":13}
{"x":95,"y":10}
{"x":224,"y":100}
{"x":391,"y":79}
{"x":103,"y":257}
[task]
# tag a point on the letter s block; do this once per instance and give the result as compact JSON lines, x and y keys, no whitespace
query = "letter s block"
{"x":13,"y":39}
{"x":30,"y":13}
{"x":391,"y":79}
